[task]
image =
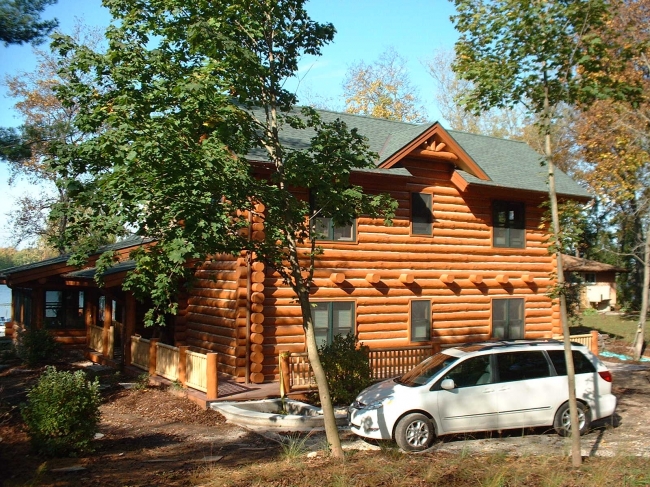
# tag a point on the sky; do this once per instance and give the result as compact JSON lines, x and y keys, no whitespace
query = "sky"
{"x":365,"y":29}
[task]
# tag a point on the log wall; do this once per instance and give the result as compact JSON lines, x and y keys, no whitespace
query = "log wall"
{"x":457,"y":268}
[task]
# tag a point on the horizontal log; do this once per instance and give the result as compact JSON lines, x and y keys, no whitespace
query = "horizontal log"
{"x":255,"y":367}
{"x":212,"y":311}
{"x":257,"y":377}
{"x":257,"y":338}
{"x":210,"y":320}
{"x":255,"y":347}
{"x":224,"y":331}
{"x":257,"y":318}
{"x":257,"y":307}
{"x":257,"y":277}
{"x":257,"y":328}
{"x":257,"y":357}
{"x":257,"y":297}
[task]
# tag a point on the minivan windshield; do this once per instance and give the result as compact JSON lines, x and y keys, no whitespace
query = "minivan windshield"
{"x":421,"y":373}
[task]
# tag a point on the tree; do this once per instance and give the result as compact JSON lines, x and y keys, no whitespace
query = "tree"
{"x":615,"y":143}
{"x":540,"y":54}
{"x":185,"y":93}
{"x":20,"y":21}
{"x":382,"y":90}
{"x":450,"y":87}
{"x":25,"y":149}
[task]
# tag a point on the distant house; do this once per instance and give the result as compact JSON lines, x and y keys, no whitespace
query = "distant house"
{"x":599,"y":280}
{"x":465,"y":260}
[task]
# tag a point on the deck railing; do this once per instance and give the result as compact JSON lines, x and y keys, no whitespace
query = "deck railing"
{"x":140,"y":352}
{"x":391,"y":362}
{"x":196,"y":370}
{"x":190,"y":368}
{"x":167,"y":358}
{"x":96,"y":338}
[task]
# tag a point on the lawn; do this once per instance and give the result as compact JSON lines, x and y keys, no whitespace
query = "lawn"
{"x":620,"y":327}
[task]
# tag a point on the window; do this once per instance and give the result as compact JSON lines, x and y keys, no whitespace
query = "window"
{"x":590,"y":278}
{"x":508,"y":318}
{"x":64,"y":309}
{"x":474,"y":371}
{"x":331,"y":319}
{"x":513,"y":366}
{"x":421,"y":213}
{"x":420,"y":321}
{"x":581,"y":364}
{"x":508,"y":222}
{"x":324,"y":229}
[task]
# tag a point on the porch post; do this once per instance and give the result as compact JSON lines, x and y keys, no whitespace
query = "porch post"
{"x":108,"y":319}
{"x":153,"y":355}
{"x":129,"y":327}
{"x":212,"y":380}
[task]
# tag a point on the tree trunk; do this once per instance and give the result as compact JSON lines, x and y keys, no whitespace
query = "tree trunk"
{"x":331,"y":430}
{"x":639,"y":339}
{"x":576,"y":453}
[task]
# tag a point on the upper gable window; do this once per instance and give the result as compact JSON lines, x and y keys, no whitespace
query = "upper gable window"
{"x":421,"y":213}
{"x":508,"y":220}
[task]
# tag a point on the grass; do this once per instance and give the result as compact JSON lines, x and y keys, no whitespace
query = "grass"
{"x":363,"y":469}
{"x":620,"y":327}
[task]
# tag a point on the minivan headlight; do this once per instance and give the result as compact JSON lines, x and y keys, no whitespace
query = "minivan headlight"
{"x":377,"y":404}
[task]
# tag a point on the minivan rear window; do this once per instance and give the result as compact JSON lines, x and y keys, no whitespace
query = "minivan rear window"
{"x":581,"y":364}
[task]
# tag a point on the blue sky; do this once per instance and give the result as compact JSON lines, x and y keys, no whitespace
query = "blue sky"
{"x":365,"y":29}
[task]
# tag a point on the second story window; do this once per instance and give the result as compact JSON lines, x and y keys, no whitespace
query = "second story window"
{"x":421,"y":214}
{"x":509,"y":224}
{"x":324,"y":229}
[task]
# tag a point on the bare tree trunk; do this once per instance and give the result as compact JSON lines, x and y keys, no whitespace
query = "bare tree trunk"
{"x":576,"y":453}
{"x":639,"y":339}
{"x":331,"y":430}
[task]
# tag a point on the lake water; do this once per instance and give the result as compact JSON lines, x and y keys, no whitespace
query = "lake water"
{"x":5,"y":303}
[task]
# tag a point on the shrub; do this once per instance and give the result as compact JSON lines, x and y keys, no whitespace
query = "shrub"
{"x":347,"y":367}
{"x":62,"y":412}
{"x":36,"y":346}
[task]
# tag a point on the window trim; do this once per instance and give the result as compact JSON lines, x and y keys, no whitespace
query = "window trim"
{"x":497,"y":205}
{"x":330,"y":329}
{"x":428,"y":206}
{"x":411,"y":323}
{"x":507,"y":325}
{"x":331,"y":230}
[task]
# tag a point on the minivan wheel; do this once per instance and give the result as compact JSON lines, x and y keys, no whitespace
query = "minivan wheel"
{"x":562,"y":422}
{"x":414,"y":432}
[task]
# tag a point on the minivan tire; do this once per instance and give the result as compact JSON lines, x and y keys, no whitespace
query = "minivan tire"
{"x":414,"y":432}
{"x":562,"y":422}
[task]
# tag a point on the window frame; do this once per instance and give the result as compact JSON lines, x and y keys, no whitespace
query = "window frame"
{"x":517,"y":222}
{"x":64,"y":313}
{"x":507,"y":320}
{"x":412,"y":322}
{"x":425,"y":214}
{"x":328,"y":223}
{"x":330,"y":317}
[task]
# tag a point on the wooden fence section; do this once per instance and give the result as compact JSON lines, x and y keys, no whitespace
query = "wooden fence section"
{"x":391,"y":362}
{"x":167,"y":358}
{"x":96,"y":338}
{"x":140,"y":352}
{"x":192,"y":369}
{"x":196,"y":370}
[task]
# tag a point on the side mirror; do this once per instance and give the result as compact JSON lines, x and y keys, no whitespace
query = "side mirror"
{"x":448,"y":384}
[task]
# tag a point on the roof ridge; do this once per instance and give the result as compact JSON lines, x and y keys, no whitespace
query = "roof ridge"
{"x":486,"y":136}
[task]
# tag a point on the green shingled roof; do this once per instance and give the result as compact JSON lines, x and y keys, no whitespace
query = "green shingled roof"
{"x":509,"y":164}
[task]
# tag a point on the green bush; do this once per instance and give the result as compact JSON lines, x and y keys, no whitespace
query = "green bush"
{"x":62,"y":412}
{"x":36,"y":347}
{"x":347,"y":367}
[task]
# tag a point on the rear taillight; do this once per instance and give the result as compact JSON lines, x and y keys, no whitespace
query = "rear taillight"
{"x":606,"y":375}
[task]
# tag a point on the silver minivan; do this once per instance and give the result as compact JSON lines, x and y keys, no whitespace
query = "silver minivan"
{"x":483,"y":387}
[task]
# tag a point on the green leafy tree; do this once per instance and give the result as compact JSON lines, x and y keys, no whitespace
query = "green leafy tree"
{"x":185,"y":96}
{"x":20,"y":21}
{"x":542,"y":54}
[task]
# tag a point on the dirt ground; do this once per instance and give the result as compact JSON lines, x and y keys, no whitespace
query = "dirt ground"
{"x":155,"y":437}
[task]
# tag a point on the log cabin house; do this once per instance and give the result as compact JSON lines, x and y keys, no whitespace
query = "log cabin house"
{"x":465,"y":260}
{"x":598,"y":279}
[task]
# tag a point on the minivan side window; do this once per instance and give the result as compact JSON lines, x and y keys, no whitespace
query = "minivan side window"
{"x":513,"y":366}
{"x":474,"y":371}
{"x":581,"y":364}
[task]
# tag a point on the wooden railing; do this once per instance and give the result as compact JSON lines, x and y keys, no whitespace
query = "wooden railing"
{"x":190,"y":368}
{"x":196,"y":370}
{"x":96,"y":339}
{"x":140,"y":352}
{"x":167,"y":361}
{"x":391,"y":362}
{"x":387,"y":363}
